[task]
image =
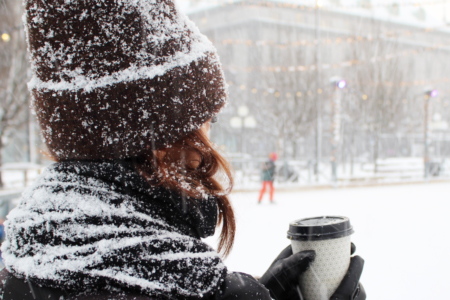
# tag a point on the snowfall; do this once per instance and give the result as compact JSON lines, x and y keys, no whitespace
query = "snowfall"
{"x":401,"y":231}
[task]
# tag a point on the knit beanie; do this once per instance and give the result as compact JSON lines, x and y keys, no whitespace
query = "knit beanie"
{"x":117,"y":78}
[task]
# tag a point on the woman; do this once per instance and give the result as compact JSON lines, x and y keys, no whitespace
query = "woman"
{"x":124,"y":92}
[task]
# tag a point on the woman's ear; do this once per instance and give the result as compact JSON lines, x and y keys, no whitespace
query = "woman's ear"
{"x":193,"y":160}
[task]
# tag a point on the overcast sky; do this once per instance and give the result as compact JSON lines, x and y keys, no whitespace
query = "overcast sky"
{"x":435,"y":9}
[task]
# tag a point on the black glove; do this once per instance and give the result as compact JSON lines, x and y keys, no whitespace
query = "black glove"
{"x":350,"y":287}
{"x":285,"y":287}
{"x":240,"y":286}
{"x":281,"y":279}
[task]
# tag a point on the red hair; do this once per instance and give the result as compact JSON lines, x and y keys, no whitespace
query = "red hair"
{"x":198,"y":182}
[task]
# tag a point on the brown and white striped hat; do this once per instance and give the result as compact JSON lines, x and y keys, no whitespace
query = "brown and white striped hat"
{"x":115,"y":78}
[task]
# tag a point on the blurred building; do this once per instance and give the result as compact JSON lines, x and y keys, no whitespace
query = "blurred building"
{"x":270,"y":50}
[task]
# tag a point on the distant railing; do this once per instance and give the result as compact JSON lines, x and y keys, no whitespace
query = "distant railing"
{"x":247,"y":172}
{"x":7,"y":201}
{"x":19,"y":174}
{"x":301,"y":173}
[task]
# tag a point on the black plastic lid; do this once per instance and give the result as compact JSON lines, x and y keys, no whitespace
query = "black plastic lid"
{"x":319,"y":228}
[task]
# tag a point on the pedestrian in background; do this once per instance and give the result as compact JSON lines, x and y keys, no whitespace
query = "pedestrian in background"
{"x":268,"y":176}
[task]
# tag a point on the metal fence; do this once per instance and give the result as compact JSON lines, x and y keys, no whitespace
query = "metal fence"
{"x":8,"y":200}
{"x":296,"y":173}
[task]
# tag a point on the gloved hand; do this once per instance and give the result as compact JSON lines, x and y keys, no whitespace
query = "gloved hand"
{"x":281,"y":279}
{"x":350,"y":287}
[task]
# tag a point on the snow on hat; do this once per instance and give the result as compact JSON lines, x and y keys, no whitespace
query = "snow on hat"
{"x":117,"y":78}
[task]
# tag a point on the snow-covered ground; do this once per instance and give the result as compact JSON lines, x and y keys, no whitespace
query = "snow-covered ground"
{"x":402,"y":232}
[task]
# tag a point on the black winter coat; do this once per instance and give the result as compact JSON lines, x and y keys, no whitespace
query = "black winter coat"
{"x":121,"y":238}
{"x":237,"y":286}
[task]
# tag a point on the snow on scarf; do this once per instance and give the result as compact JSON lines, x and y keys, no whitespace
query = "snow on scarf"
{"x":90,"y":226}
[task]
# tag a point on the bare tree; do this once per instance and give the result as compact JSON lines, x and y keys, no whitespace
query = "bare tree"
{"x":14,"y":95}
{"x":376,"y":102}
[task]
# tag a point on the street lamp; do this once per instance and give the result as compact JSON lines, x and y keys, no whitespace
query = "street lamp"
{"x":338,"y":85}
{"x":338,"y":82}
{"x":433,"y":93}
{"x":341,"y":84}
{"x":241,"y":121}
{"x":242,"y":111}
{"x":6,"y":37}
{"x":429,"y":93}
{"x":318,"y":104}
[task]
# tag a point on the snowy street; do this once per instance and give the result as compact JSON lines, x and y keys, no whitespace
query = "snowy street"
{"x":401,"y":232}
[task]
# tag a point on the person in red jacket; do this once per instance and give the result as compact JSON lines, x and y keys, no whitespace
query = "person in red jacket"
{"x":267,"y":176}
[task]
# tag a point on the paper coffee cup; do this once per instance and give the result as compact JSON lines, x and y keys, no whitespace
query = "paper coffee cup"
{"x":329,"y":236}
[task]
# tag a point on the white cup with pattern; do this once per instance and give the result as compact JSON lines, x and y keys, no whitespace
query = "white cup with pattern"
{"x":329,"y":237}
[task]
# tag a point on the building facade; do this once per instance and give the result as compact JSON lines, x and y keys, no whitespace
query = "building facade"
{"x":281,"y":59}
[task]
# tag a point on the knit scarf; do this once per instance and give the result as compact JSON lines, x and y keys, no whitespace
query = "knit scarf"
{"x":99,"y":226}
